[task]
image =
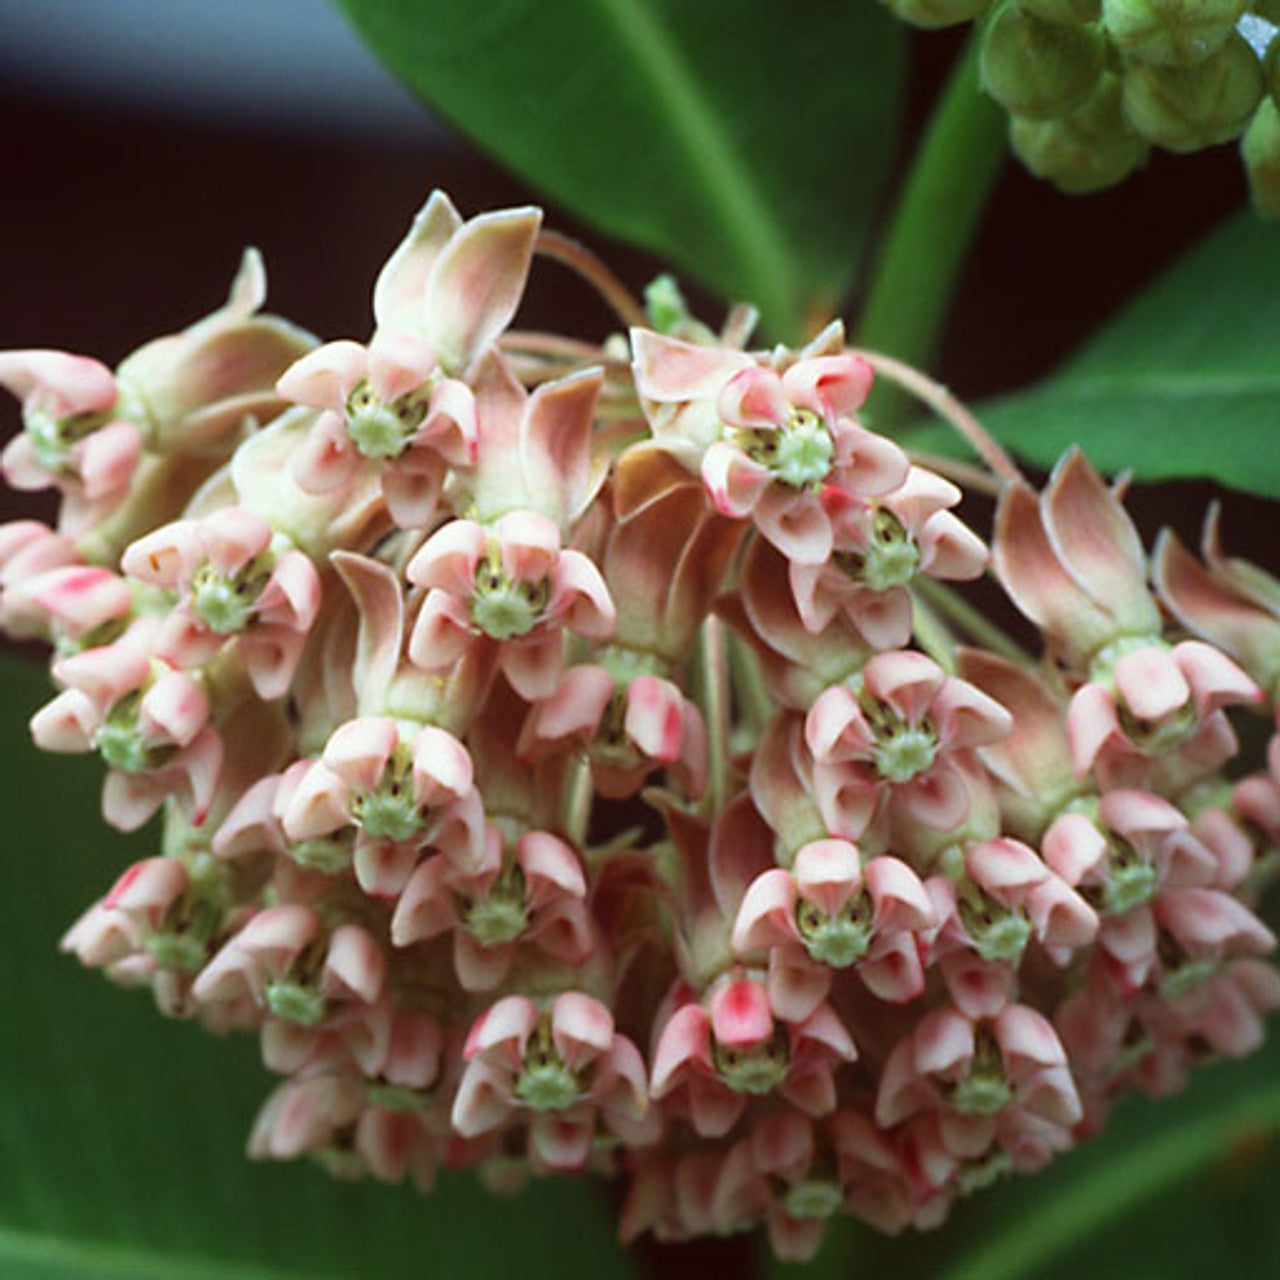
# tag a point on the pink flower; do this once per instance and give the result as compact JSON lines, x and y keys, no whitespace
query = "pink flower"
{"x":295,"y":967}
{"x":146,"y":720}
{"x":767,"y":440}
{"x":403,"y":402}
{"x":714,"y":1053}
{"x":559,"y":1067}
{"x":387,"y":403}
{"x":828,"y":912}
{"x":1154,"y":700}
{"x":976,"y":1074}
{"x":887,"y":739}
{"x":404,"y":787}
{"x":236,"y":579}
{"x":75,"y":437}
{"x":878,"y":547}
{"x":627,"y":729}
{"x":533,"y":894}
{"x":514,"y":584}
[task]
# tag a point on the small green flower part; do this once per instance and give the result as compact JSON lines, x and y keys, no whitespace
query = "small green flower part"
{"x":1170,"y":33}
{"x":545,"y":1082}
{"x":799,"y":453}
{"x":53,"y":438}
{"x":120,"y":741}
{"x":997,"y":932}
{"x":293,"y":1001}
{"x":391,"y":811}
{"x":1130,"y":881}
{"x":502,"y":915}
{"x":380,"y":428}
{"x":984,"y":1091}
{"x":1089,"y":149}
{"x":815,"y":1198}
{"x":755,"y":1069}
{"x":1040,"y":70}
{"x":225,"y":604}
{"x":505,"y":609}
{"x":839,"y":940}
{"x":1185,"y":108}
{"x":891,"y":557}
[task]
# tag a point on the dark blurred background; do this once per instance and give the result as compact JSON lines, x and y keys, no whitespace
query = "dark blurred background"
{"x":148,"y":141}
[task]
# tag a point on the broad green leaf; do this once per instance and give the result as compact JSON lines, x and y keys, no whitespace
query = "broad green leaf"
{"x":745,"y":140}
{"x":1184,"y":383}
{"x":123,"y":1134}
{"x":1173,"y":1189}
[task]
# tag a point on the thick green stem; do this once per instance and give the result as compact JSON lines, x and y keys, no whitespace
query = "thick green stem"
{"x":946,"y":191}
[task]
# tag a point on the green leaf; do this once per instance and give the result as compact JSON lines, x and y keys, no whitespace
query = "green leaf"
{"x":745,"y":140}
{"x":1173,"y":1189}
{"x":1184,"y":383}
{"x":123,"y":1134}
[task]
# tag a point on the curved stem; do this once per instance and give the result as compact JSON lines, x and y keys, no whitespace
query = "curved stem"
{"x":578,"y":258}
{"x":947,"y":407}
{"x":954,"y":169}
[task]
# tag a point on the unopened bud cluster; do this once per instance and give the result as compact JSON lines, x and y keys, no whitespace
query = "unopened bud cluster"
{"x":564,"y":759}
{"x":1092,"y":85}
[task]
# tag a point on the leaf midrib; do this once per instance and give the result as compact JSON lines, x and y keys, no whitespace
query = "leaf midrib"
{"x":713,"y":158}
{"x":102,"y":1260}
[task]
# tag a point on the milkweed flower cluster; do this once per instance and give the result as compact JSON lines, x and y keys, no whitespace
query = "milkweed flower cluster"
{"x":565,"y":762}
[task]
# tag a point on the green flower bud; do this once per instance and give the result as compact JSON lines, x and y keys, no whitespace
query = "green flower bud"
{"x":1062,"y":10}
{"x":939,"y":13}
{"x":1186,"y":108}
{"x":1260,"y":150}
{"x":1171,"y":33}
{"x":1040,"y":70}
{"x":1090,"y":149}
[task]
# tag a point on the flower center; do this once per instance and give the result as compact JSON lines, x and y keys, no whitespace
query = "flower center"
{"x":53,"y":438}
{"x":182,"y":939}
{"x":121,"y":742}
{"x":838,"y":940}
{"x":1157,"y":737}
{"x":799,"y":453}
{"x":1130,"y":881}
{"x":503,"y":608}
{"x":226,"y":604}
{"x":984,"y":1091}
{"x":890,"y":558}
{"x":997,"y":932}
{"x":545,"y":1082}
{"x":501,"y":915}
{"x":612,"y":745}
{"x":382,"y":428}
{"x":757,"y":1068}
{"x":293,"y":1001}
{"x":816,"y":1198}
{"x":905,"y":753}
{"x":391,"y":810}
